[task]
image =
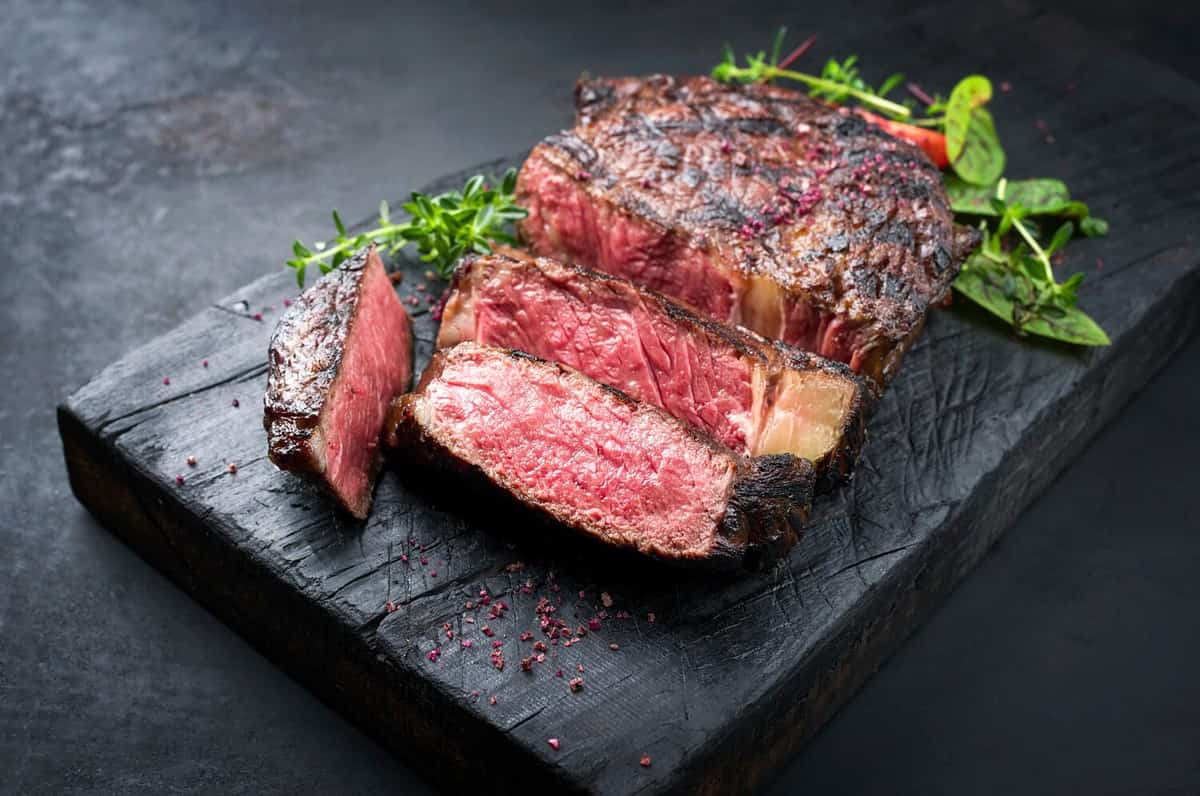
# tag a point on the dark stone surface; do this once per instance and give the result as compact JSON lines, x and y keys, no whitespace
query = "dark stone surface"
{"x":174,"y":155}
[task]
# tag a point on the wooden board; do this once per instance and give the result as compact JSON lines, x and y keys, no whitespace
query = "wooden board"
{"x":718,"y":680}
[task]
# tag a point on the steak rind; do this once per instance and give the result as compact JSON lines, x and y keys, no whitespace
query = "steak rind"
{"x":338,"y":356}
{"x":756,"y":205}
{"x":755,"y":396}
{"x":586,"y":456}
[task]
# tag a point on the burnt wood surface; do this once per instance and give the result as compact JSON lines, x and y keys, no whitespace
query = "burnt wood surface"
{"x":732,"y":676}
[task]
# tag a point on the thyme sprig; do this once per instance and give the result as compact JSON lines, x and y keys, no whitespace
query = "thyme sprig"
{"x":443,"y":227}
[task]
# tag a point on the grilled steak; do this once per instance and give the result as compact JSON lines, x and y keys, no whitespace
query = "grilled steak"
{"x":594,"y":459}
{"x":755,"y":396}
{"x":337,"y":358}
{"x":754,"y":204}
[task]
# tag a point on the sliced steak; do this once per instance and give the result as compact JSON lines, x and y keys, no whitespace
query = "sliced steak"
{"x":338,"y":357}
{"x":755,"y":396}
{"x":754,"y":204}
{"x":592,"y":458}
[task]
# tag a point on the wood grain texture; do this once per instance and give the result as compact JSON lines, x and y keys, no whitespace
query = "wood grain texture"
{"x":732,"y":675}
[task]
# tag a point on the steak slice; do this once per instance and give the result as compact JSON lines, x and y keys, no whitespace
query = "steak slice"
{"x":754,"y":204}
{"x":592,"y":458}
{"x":755,"y":396}
{"x":337,"y":358}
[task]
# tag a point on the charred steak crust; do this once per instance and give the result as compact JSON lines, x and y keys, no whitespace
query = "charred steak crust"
{"x":769,"y":186}
{"x":766,"y":508}
{"x":778,"y":486}
{"x":305,"y":357}
{"x":317,"y":324}
{"x":773,"y":355}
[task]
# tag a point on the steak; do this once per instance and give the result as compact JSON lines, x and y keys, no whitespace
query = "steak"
{"x":756,"y":205}
{"x":591,"y":458}
{"x":338,"y":357}
{"x":753,"y":395}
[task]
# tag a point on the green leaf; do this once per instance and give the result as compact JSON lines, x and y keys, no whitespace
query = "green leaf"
{"x":298,"y":264}
{"x":889,"y":84}
{"x":300,"y":250}
{"x":981,"y":158}
{"x":473,"y":185}
{"x":509,"y":185}
{"x":1071,"y":325}
{"x":1093,"y":227}
{"x":777,"y":46}
{"x":1038,"y":196}
{"x":338,"y":225}
{"x":1071,"y":286}
{"x":1062,"y":236}
{"x":992,"y":286}
{"x":970,"y":94}
{"x":384,"y":213}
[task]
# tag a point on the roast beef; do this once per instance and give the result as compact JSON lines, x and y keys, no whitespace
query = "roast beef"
{"x":593,"y":459}
{"x":755,"y":396}
{"x":338,"y":357}
{"x":754,"y":204}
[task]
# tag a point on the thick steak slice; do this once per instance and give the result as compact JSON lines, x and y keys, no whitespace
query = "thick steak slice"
{"x":594,"y":459}
{"x":338,"y":357}
{"x":755,"y":396}
{"x":754,"y":204}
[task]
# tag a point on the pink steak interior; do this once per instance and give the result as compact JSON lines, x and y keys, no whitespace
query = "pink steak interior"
{"x":621,"y":470}
{"x":376,"y":366}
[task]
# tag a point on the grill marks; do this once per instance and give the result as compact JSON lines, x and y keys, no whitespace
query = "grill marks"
{"x":752,"y":183}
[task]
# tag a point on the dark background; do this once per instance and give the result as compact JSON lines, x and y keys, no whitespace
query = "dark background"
{"x":156,"y":156}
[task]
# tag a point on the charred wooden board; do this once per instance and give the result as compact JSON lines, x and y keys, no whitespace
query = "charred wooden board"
{"x":718,"y":680}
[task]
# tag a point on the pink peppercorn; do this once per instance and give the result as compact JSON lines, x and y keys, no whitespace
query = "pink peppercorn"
{"x":645,"y":761}
{"x":166,"y":379}
{"x":191,"y":461}
{"x":553,"y":743}
{"x":179,"y":480}
{"x":236,"y":403}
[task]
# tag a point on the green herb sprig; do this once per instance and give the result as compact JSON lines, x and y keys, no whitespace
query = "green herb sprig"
{"x":1017,"y":284}
{"x":443,"y":227}
{"x":840,"y":79}
{"x":1011,"y":274}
